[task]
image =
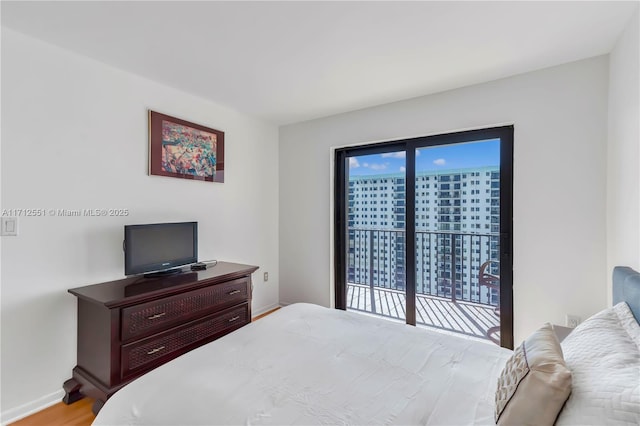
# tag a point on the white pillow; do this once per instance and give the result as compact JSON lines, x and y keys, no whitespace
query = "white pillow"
{"x":603,"y":355}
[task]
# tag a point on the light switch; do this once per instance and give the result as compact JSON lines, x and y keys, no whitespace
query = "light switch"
{"x":9,"y":226}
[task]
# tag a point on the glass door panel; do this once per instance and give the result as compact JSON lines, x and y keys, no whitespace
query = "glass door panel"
{"x":376,"y":228}
{"x":457,"y":237}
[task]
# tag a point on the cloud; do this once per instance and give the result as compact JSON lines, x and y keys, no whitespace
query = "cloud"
{"x":399,"y":154}
{"x":440,"y":162}
{"x":377,"y":166}
{"x":402,"y":168}
{"x":353,"y":163}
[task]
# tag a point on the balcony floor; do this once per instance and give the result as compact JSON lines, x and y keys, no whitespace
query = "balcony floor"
{"x":470,"y":319}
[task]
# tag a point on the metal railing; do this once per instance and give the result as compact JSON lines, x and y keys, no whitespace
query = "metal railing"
{"x":447,"y":263}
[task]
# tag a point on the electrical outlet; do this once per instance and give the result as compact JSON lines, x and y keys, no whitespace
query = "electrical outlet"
{"x":266,"y":276}
{"x":573,"y":321}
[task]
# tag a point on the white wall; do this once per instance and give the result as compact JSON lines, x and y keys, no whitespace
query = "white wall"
{"x":74,"y":135}
{"x":560,"y":118}
{"x":623,"y":152}
{"x":1,"y":183}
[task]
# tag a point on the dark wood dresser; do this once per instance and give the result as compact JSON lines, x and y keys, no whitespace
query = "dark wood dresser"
{"x":131,"y":326}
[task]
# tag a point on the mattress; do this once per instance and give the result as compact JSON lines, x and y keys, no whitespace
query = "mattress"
{"x":306,"y":364}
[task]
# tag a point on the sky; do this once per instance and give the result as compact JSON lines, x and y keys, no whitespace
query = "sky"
{"x":438,"y":158}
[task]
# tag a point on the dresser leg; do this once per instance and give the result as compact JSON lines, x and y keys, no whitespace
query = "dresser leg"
{"x":71,"y":391}
{"x":97,"y":406}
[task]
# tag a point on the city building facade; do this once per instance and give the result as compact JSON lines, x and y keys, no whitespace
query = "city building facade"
{"x":457,"y":217}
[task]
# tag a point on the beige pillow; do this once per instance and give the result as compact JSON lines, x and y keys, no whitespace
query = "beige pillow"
{"x":535,"y":382}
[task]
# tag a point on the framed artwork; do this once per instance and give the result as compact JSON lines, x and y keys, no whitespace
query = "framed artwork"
{"x":178,"y":148}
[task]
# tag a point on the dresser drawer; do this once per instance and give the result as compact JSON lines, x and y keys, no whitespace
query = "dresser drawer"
{"x":149,"y":353}
{"x":153,"y":317}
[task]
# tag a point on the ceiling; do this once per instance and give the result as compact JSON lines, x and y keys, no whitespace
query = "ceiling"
{"x":287,"y":62}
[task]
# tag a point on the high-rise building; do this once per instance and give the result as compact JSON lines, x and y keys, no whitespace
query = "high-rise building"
{"x":457,"y":229}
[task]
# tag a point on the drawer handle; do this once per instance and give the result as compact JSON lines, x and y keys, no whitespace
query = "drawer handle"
{"x":233,"y":292}
{"x":236,"y":318}
{"x":156,"y":316}
{"x":153,"y":351}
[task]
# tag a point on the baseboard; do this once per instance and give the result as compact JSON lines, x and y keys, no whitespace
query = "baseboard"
{"x":264,"y":309}
{"x":24,"y":410}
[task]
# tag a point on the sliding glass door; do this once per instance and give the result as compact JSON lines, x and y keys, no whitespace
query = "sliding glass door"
{"x":423,"y":232}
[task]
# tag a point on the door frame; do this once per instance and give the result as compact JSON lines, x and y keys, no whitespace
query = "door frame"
{"x":342,"y":155}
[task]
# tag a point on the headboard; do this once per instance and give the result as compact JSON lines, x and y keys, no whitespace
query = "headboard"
{"x":626,"y":288}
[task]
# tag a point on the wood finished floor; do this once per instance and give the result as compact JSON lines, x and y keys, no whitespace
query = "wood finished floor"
{"x":77,"y":414}
{"x":61,"y":414}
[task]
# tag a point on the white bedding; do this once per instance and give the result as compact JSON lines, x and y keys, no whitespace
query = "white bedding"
{"x":603,"y":354}
{"x":306,"y":364}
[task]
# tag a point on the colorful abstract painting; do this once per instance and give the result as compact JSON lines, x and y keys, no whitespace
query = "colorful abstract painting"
{"x":186,"y":150}
{"x":181,"y":149}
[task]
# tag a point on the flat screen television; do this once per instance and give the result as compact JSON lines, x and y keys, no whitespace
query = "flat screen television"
{"x":159,"y":248}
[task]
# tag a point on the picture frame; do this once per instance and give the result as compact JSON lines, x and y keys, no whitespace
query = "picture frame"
{"x":181,"y":149}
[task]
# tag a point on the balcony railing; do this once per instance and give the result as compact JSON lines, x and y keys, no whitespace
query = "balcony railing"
{"x":447,"y":264}
{"x":466,"y":318}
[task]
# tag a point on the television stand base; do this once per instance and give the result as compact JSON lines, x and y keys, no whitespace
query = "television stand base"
{"x":163,"y":273}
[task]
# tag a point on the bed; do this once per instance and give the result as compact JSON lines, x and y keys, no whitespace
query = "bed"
{"x":305,"y":364}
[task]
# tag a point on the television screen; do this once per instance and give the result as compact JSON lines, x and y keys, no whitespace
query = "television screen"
{"x":159,"y":246}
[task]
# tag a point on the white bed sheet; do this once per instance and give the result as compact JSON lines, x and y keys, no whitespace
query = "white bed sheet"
{"x":306,"y":364}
